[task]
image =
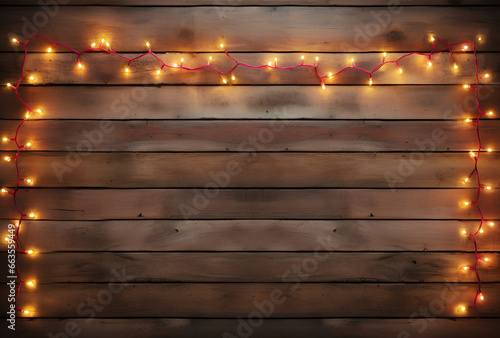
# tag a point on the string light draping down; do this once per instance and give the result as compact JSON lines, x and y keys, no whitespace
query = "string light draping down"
{"x":104,"y":46}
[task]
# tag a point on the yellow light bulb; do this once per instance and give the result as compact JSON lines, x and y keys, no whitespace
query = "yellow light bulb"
{"x":176,"y":65}
{"x":32,"y":78}
{"x":4,"y":190}
{"x":31,"y":283}
{"x":323,"y":86}
{"x":158,"y":72}
{"x":486,"y":259}
{"x":490,"y":113}
{"x":479,"y":38}
{"x":352,"y":60}
{"x":93,"y":44}
{"x":275,"y":59}
{"x":455,"y":66}
{"x":481,"y":297}
{"x":127,"y":70}
{"x":103,"y":40}
{"x":486,"y":75}
{"x":317,"y":58}
{"x":491,"y":224}
{"x":466,"y":47}
{"x":107,"y":44}
{"x":466,"y":86}
{"x":472,"y":154}
{"x":30,"y":252}
{"x":467,"y":120}
{"x":481,"y":231}
{"x":7,"y":158}
{"x":370,"y":82}
{"x":39,"y":111}
{"x":9,"y":85}
{"x":27,"y":116}
{"x":80,"y":65}
{"x":49,"y":50}
{"x":26,"y":312}
{"x":210,"y":58}
{"x":31,"y":215}
{"x":464,"y":232}
{"x":221,"y":45}
{"x":5,"y":139}
{"x":14,"y":40}
{"x":466,"y":179}
{"x":233,"y":78}
{"x":385,"y":54}
{"x":466,"y":203}
{"x":400,"y":70}
{"x":429,"y":64}
{"x":182,"y":59}
{"x":488,"y":188}
{"x":463,"y":308}
{"x":330,"y":74}
{"x":466,"y":268}
{"x":489,"y":150}
{"x":29,"y":181}
{"x":269,"y":64}
{"x":432,"y":38}
{"x":224,"y":80}
{"x":302,"y":57}
{"x":147,"y":44}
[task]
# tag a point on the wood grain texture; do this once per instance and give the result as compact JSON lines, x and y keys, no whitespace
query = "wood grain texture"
{"x":253,"y":235}
{"x":109,"y":204}
{"x":250,"y":102}
{"x":322,"y":265}
{"x":260,"y":170}
{"x":270,"y":328}
{"x":259,"y":28}
{"x":215,"y":300}
{"x":84,"y":137}
{"x":107,"y":69}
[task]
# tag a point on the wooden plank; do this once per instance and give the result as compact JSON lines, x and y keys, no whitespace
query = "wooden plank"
{"x":258,"y":28}
{"x":101,"y":204}
{"x":233,"y":300}
{"x":250,"y":102}
{"x":222,"y":3}
{"x":254,"y":235}
{"x":263,"y":170}
{"x":250,"y":136}
{"x":107,"y":69}
{"x":262,"y":267}
{"x":269,"y":328}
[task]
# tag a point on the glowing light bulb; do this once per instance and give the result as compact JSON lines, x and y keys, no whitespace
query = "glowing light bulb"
{"x":488,"y":188}
{"x":489,"y":150}
{"x":175,"y":65}
{"x":32,"y":215}
{"x":103,"y":40}
{"x":466,"y":86}
{"x":31,"y":283}
{"x":27,"y":116}
{"x":269,"y":64}
{"x":466,"y":203}
{"x":29,"y":181}
{"x":5,"y":139}
{"x":147,"y":44}
{"x":463,"y":308}
{"x":400,"y":70}
{"x":464,"y":232}
{"x":330,"y":74}
{"x":32,"y":78}
{"x":385,"y":54}
{"x":432,"y":39}
{"x":275,"y":59}
{"x":455,"y":66}
{"x":7,"y":158}
{"x":224,"y":80}
{"x":26,"y":312}
{"x":30,"y":252}
{"x":486,"y":259}
{"x":302,"y":57}
{"x":4,"y":190}
{"x":491,"y":224}
{"x":93,"y":44}
{"x":479,"y":38}
{"x":323,"y":86}
{"x":481,"y":231}
{"x":80,"y":65}
{"x":481,"y":296}
{"x":490,"y":113}
{"x":39,"y":111}
{"x":370,"y":82}
{"x":210,"y":58}
{"x":466,"y":179}
{"x":107,"y":44}
{"x":14,"y":40}
{"x":486,"y":75}
{"x":472,"y":154}
{"x":9,"y":85}
{"x":352,"y":60}
{"x":465,"y":268}
{"x":158,"y":72}
{"x":468,"y":120}
{"x":49,"y":50}
{"x":466,"y":47}
{"x":221,"y":45}
{"x":233,"y":78}
{"x":127,"y":70}
{"x":429,"y":64}
{"x":182,"y":59}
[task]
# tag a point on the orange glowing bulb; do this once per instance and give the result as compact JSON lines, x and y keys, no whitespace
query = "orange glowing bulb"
{"x":127,"y":70}
{"x":269,"y":64}
{"x":158,"y":72}
{"x":7,"y":158}
{"x":432,"y":38}
{"x":176,"y":65}
{"x":463,"y":308}
{"x":49,"y":50}
{"x":31,"y":283}
{"x":429,"y":64}
{"x":490,"y":113}
{"x":466,"y":86}
{"x":4,"y":190}
{"x":466,"y":179}
{"x":5,"y":139}
{"x":233,"y":77}
{"x":489,"y":150}
{"x":466,"y":268}
{"x":30,"y":252}
{"x":466,"y":47}
{"x":14,"y":40}
{"x":302,"y":57}
{"x":370,"y":82}
{"x":31,"y":78}
{"x":486,"y":75}
{"x":464,"y":232}
{"x":9,"y":85}
{"x":29,"y":181}
{"x":468,"y":120}
{"x":93,"y":44}
{"x":31,"y":215}
{"x":224,"y":80}
{"x":80,"y":65}
{"x":400,"y":70}
{"x":481,"y":297}
{"x":491,"y":224}
{"x":466,"y":203}
{"x":221,"y":45}
{"x":455,"y":66}
{"x":486,"y":259}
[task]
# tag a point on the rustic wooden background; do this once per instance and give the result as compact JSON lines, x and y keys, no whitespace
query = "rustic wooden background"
{"x":322,"y":175}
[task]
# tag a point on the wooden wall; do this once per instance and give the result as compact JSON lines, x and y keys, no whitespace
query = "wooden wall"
{"x":376,"y":261}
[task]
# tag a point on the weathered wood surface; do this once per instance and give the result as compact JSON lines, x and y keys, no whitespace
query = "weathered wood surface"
{"x":254,"y":235}
{"x":259,"y":28}
{"x":270,"y":328}
{"x":250,"y":102}
{"x":322,"y":265}
{"x":259,"y":170}
{"x":213,"y":203}
{"x":215,"y":300}
{"x":107,"y":69}
{"x":252,"y":136}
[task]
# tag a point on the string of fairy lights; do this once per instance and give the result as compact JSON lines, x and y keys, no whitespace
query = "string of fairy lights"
{"x":13,"y":237}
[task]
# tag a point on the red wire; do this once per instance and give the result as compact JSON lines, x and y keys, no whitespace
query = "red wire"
{"x":447,"y":47}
